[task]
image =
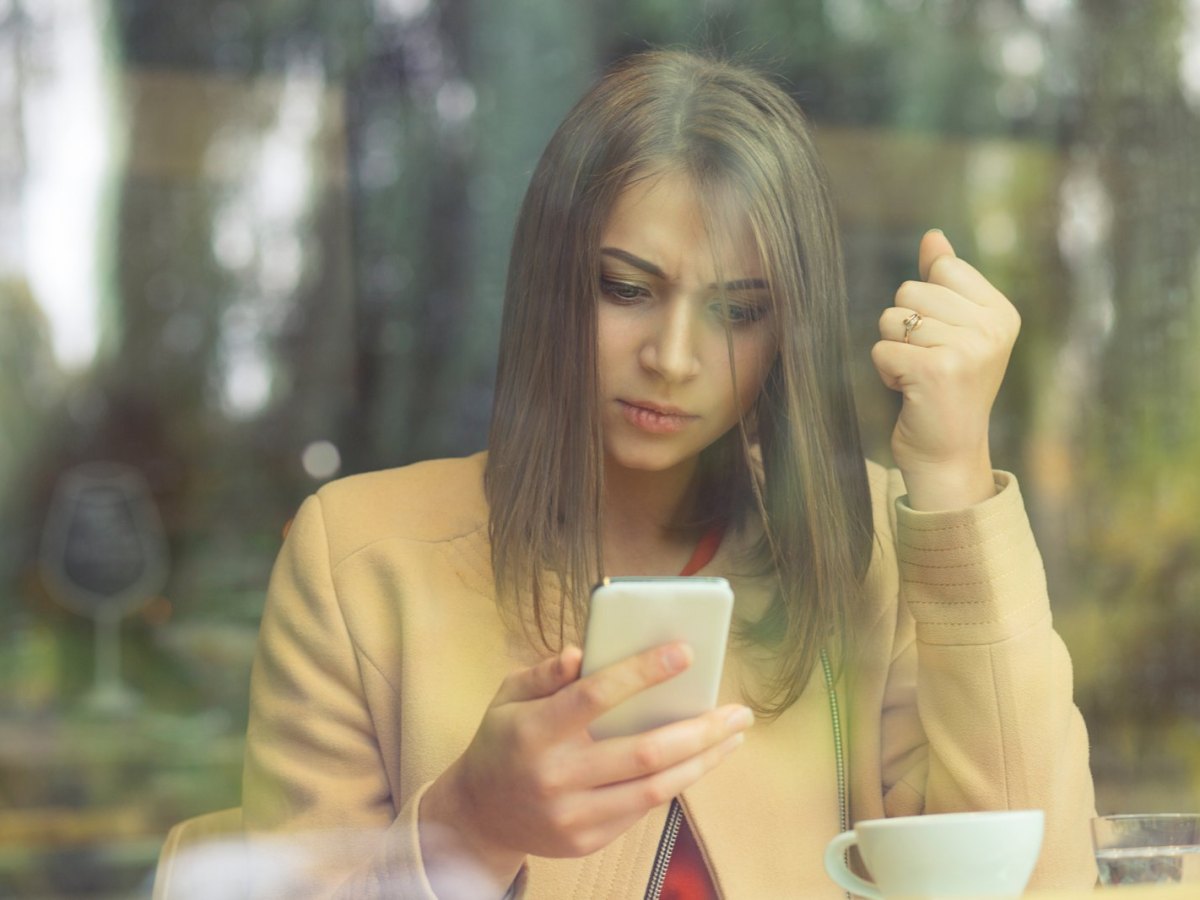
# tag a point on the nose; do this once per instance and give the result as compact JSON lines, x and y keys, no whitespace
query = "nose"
{"x":670,"y":347}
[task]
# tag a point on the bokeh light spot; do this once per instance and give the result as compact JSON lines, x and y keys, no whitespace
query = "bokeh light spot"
{"x":321,"y":460}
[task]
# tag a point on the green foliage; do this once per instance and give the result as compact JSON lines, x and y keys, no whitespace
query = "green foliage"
{"x":1058,"y":152}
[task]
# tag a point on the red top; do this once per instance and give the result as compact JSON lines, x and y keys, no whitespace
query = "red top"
{"x":687,"y":875}
{"x":706,"y":549}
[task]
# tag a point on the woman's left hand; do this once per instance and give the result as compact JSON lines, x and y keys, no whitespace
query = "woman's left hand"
{"x":948,"y":361}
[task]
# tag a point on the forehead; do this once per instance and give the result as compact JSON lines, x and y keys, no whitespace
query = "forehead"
{"x":666,"y":220}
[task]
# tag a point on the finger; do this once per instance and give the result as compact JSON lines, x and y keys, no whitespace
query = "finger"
{"x":542,"y":680}
{"x":937,"y":302}
{"x":963,"y":278}
{"x":933,"y":244}
{"x":634,"y":756}
{"x":642,"y":794}
{"x":928,"y":332}
{"x":578,"y":704}
{"x":947,"y":270}
{"x":895,"y":360}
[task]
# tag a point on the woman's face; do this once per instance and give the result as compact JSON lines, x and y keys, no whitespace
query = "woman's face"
{"x":666,"y":387}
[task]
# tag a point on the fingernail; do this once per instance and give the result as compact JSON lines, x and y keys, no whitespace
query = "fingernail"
{"x":936,"y":231}
{"x":742,"y":717}
{"x":676,"y":657}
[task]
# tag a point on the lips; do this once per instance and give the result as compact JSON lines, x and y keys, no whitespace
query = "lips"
{"x":655,"y":418}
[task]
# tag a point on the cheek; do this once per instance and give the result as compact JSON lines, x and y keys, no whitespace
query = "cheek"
{"x":753,"y":363}
{"x":616,"y":348}
{"x":605,"y":351}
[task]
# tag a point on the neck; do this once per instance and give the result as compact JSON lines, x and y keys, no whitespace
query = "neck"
{"x":648,"y":528}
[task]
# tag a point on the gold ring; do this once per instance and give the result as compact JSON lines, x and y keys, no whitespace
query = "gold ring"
{"x":911,"y":324}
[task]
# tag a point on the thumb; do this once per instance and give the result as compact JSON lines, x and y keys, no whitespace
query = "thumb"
{"x":933,"y":245}
{"x":546,"y":678}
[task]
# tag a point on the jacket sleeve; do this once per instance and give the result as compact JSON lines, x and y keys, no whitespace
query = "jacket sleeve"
{"x":314,"y":786}
{"x":978,"y":711}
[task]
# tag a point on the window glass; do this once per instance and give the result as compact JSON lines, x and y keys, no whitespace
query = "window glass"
{"x":248,"y":247}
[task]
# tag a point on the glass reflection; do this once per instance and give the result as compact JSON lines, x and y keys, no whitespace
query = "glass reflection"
{"x":249,"y":247}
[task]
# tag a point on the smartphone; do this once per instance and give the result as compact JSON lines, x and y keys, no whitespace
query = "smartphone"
{"x":629,"y":615}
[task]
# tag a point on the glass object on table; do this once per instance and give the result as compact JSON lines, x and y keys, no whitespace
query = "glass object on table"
{"x":1159,"y":848}
{"x":104,"y":555}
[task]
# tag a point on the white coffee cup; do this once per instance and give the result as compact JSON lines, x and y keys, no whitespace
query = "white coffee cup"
{"x":971,"y":854}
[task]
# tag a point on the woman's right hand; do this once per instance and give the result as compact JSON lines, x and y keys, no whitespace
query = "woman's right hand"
{"x":534,"y":781}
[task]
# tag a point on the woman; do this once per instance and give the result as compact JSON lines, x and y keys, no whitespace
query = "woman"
{"x":673,"y":396}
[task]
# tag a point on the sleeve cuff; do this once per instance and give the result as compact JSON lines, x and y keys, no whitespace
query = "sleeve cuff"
{"x":408,"y":864}
{"x":400,"y":868}
{"x":971,"y":576}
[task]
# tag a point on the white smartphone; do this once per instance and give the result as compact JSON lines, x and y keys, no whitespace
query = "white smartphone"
{"x":629,"y":615}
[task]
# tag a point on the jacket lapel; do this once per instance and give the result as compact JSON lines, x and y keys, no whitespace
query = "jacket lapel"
{"x":763,"y":816}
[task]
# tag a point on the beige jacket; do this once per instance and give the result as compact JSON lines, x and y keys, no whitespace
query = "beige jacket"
{"x":381,"y":647}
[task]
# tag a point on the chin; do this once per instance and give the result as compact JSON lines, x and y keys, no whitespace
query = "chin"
{"x":647,"y":459}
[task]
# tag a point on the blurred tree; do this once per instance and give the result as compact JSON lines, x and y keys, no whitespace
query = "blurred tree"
{"x":410,"y":154}
{"x":30,"y":384}
{"x":1143,"y":134}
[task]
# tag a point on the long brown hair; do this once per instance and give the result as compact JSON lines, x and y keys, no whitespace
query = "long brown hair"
{"x":733,"y":133}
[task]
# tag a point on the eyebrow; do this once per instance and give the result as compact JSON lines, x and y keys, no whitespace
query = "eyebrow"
{"x":650,"y":268}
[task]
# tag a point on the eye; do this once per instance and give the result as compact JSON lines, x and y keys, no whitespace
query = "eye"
{"x":621,"y":291}
{"x":740,"y":313}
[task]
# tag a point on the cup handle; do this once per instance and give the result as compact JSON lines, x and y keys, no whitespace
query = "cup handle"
{"x":835,"y":865}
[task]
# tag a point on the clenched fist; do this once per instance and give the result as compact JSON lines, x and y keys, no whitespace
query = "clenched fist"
{"x":945,"y":346}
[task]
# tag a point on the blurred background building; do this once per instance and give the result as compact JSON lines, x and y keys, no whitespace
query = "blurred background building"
{"x":247,"y":246}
